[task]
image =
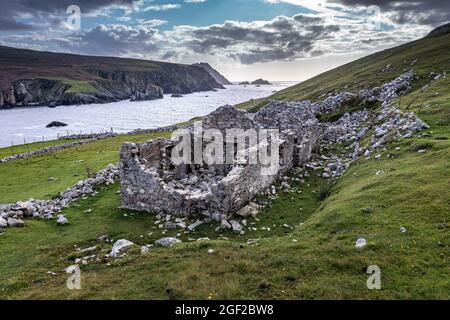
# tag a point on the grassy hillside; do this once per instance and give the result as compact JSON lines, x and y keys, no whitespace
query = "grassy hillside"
{"x":424,"y":56}
{"x":314,"y":257}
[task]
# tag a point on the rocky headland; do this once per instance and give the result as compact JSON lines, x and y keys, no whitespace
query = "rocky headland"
{"x":31,"y":78}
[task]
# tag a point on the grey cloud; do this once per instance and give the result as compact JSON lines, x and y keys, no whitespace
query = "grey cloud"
{"x":429,"y":12}
{"x":283,"y":38}
{"x":114,"y":40}
{"x":12,"y":25}
{"x":42,"y":10}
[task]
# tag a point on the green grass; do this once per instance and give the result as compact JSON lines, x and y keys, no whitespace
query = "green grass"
{"x":29,"y":178}
{"x":315,"y":259}
{"x":78,"y":86}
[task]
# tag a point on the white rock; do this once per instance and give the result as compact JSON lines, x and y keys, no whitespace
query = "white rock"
{"x":144,"y":249}
{"x":167,"y":242}
{"x":196,"y":224}
{"x":224,"y":224}
{"x":3,"y":223}
{"x":210,"y":251}
{"x":71,"y":269}
{"x":119,"y":245}
{"x":236,"y":226}
{"x":62,"y":220}
{"x":12,"y":222}
{"x":361,"y":243}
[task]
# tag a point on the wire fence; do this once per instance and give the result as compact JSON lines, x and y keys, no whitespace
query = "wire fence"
{"x":30,"y":144}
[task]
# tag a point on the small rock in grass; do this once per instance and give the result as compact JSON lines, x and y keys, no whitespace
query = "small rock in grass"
{"x":236,"y":226}
{"x":360,"y":243}
{"x":210,"y":251}
{"x":193,"y":226}
{"x":167,"y":242}
{"x":224,"y":224}
{"x":119,"y":245}
{"x":402,"y":229}
{"x":62,"y":220}
{"x":144,"y":249}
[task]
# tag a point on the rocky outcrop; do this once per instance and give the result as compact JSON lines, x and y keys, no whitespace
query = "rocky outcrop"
{"x":214,"y":73}
{"x":151,"y":93}
{"x":261,"y":82}
{"x":56,"y":124}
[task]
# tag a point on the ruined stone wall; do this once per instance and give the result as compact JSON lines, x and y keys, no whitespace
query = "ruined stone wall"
{"x":151,"y":183}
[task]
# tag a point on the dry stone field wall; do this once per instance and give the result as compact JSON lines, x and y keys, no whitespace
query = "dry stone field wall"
{"x":12,"y":215}
{"x":82,"y":139}
{"x":224,"y":193}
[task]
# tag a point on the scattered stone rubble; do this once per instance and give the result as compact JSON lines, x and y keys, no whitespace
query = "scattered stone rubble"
{"x":12,"y":215}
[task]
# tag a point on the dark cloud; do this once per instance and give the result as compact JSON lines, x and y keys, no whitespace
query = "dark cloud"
{"x":429,"y":12}
{"x":12,"y":25}
{"x":113,"y":40}
{"x":25,"y":14}
{"x":283,"y":38}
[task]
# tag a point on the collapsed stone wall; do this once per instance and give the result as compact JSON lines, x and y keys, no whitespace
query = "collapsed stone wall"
{"x":150,"y":182}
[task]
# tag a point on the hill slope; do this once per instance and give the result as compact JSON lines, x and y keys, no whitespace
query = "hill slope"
{"x":32,"y":77}
{"x":430,"y":54}
{"x":307,"y":237}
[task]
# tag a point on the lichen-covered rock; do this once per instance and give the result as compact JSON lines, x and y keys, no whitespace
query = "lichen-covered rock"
{"x":62,"y":220}
{"x":167,"y":242}
{"x":118,"y":246}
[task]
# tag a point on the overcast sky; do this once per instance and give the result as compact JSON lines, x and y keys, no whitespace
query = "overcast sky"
{"x":243,"y":39}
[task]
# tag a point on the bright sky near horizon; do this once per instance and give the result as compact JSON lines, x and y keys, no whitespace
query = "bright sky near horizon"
{"x":243,"y":39}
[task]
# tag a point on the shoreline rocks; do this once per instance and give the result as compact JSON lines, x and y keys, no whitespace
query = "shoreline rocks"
{"x":56,"y":124}
{"x":261,"y":82}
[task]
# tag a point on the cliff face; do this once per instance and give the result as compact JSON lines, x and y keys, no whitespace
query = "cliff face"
{"x":43,"y":78}
{"x":214,"y":73}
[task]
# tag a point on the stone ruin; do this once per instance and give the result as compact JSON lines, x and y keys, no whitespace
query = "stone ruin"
{"x":152,"y":183}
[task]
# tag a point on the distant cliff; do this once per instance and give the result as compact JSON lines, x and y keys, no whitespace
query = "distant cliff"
{"x":30,"y":78}
{"x":214,"y":73}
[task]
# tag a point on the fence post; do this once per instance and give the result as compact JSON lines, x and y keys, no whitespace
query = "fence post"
{"x":25,"y":143}
{"x":12,"y":148}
